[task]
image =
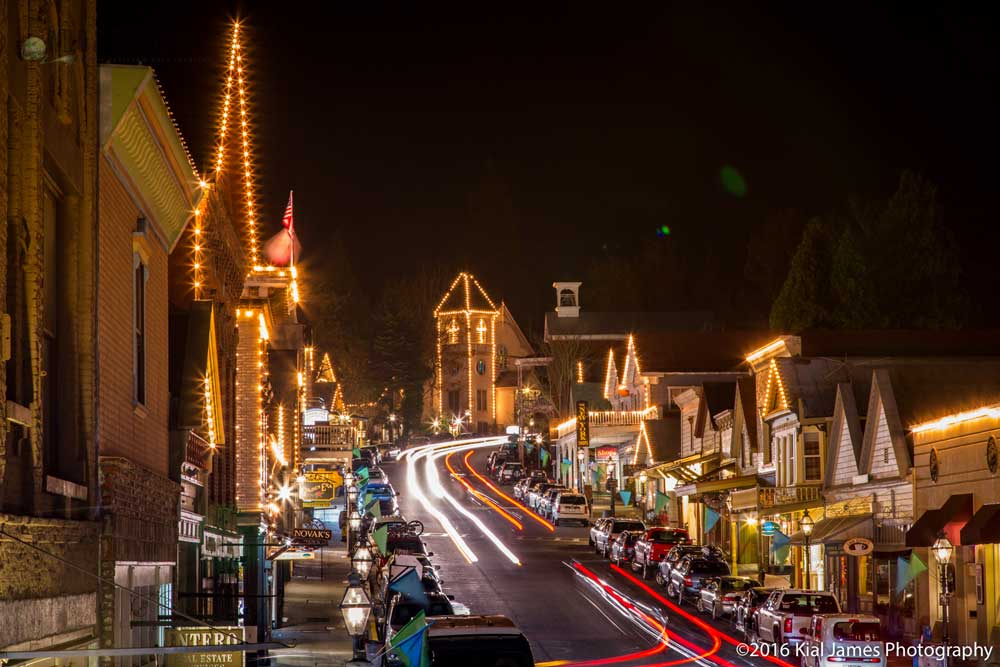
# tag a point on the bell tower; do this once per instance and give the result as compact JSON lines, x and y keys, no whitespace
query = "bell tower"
{"x":567,"y":299}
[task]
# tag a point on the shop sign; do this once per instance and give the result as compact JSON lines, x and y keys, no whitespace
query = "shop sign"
{"x":582,"y":424}
{"x":858,"y":546}
{"x":605,"y":453}
{"x":295,"y":555}
{"x":206,"y":637}
{"x":319,"y":537}
{"x":769,"y":528}
{"x":320,"y":488}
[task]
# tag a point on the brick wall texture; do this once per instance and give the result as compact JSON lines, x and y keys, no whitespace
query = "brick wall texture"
{"x":143,"y":510}
{"x":141,"y":434}
{"x":248,"y":404}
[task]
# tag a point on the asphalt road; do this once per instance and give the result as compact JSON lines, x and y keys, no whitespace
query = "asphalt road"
{"x":570,"y":603}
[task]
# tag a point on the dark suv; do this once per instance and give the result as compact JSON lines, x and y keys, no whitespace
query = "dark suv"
{"x":692,"y":573}
{"x":671,"y":560}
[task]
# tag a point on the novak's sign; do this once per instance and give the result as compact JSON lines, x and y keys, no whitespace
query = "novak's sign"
{"x":582,"y":424}
{"x":319,"y":536}
{"x":218,"y":636}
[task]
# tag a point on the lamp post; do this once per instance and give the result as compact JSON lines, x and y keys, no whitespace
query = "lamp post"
{"x":581,"y":456}
{"x":356,"y":606}
{"x":361,"y":561}
{"x":942,"y":550}
{"x":806,"y":523}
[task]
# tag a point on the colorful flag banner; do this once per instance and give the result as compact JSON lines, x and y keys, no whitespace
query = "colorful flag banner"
{"x":567,"y":462}
{"x":711,"y":518}
{"x":595,"y":475}
{"x":375,"y":509}
{"x":545,"y":458}
{"x":528,"y":447}
{"x":907,"y":570}
{"x":626,"y":496}
{"x":661,"y":501}
{"x":410,"y":645}
{"x":566,"y":467}
{"x":780,"y":546}
{"x":381,"y":536}
{"x":363,"y":474}
{"x":356,"y":453}
{"x":409,"y":586}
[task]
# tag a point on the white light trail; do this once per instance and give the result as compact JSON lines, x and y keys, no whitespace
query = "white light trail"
{"x":440,"y":492}
{"x":414,"y":487}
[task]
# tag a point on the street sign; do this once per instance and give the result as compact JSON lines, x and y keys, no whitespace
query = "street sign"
{"x":769,"y":528}
{"x":312,"y":536}
{"x":204,"y":636}
{"x":582,"y":424}
{"x":320,"y":488}
{"x":858,"y":546}
{"x":296,"y":555}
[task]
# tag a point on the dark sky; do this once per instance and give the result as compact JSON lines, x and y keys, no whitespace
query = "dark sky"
{"x":521,"y":141}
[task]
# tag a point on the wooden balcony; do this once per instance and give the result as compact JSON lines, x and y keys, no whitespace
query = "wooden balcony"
{"x":788,"y":498}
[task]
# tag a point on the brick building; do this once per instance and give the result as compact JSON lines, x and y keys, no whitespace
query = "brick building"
{"x":48,"y":182}
{"x":148,"y":190}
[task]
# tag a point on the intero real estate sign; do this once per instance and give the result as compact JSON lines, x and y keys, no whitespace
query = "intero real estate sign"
{"x":220,"y":635}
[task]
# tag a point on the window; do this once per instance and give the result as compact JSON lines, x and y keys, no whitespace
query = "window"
{"x":453,"y":404}
{"x":813,"y":459}
{"x":139,"y":328}
{"x":453,"y":331}
{"x":567,"y":298}
{"x":481,"y":331}
{"x":481,"y":400}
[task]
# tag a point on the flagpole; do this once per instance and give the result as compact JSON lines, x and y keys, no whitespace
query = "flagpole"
{"x":291,"y":236}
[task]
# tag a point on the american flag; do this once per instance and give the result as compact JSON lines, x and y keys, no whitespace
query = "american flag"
{"x":287,"y":222}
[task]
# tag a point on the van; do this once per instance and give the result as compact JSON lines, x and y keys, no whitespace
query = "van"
{"x":844,"y":640}
{"x":484,"y":641}
{"x":570,"y":507}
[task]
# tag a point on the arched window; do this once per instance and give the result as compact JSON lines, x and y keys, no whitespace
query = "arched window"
{"x":453,"y":331}
{"x":567,"y":298}
{"x":481,"y":330}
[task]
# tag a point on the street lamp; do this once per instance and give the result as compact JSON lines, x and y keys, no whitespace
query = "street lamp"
{"x":581,"y":456}
{"x":361,"y":561}
{"x":354,"y":518}
{"x":942,"y":550}
{"x":356,"y":606}
{"x":806,"y":523}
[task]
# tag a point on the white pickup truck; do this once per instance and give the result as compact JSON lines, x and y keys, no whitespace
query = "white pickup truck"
{"x":788,"y":612}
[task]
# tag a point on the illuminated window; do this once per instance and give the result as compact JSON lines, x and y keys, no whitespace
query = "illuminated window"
{"x":453,"y":331}
{"x":481,"y":330}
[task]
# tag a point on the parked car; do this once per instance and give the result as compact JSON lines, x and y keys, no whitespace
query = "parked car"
{"x":570,"y":506}
{"x":746,"y":606}
{"x":377,"y":475}
{"x":786,"y":615}
{"x":494,"y":461}
{"x":402,"y":609}
{"x":623,"y":547}
{"x":484,"y":641}
{"x":538,"y":474}
{"x":841,"y":637}
{"x":519,"y":488}
{"x":654,"y":545}
{"x":531,"y":483}
{"x":718,"y":596}
{"x":372,"y":453}
{"x":545,"y":502}
{"x":405,"y":542}
{"x":693,"y":572}
{"x":420,"y":563}
{"x":510,"y":472}
{"x":606,"y":529}
{"x":673,"y":557}
{"x":535,"y":493}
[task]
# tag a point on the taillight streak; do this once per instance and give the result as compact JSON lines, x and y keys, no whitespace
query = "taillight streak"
{"x":503,"y":495}
{"x":712,"y":632}
{"x":501,"y":511}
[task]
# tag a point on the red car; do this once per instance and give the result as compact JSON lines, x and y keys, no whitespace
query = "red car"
{"x":653,"y":546}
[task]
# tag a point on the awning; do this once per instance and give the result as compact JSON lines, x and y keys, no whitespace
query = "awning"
{"x":955,"y":512}
{"x":683,"y":468}
{"x":984,"y":526}
{"x":835,"y":530}
{"x":711,"y":485}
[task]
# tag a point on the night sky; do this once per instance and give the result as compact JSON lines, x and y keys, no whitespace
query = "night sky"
{"x":520,"y":142}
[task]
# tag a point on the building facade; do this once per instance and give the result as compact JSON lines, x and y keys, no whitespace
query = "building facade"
{"x":49,"y":491}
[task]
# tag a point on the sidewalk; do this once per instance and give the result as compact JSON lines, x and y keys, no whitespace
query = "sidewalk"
{"x":314,"y":623}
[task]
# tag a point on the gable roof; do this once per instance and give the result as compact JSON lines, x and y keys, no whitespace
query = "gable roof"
{"x":464,"y":295}
{"x":883,"y":399}
{"x":745,"y":406}
{"x":845,"y":416}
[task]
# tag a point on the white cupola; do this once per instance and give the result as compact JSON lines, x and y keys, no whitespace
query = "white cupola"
{"x":567,"y":299}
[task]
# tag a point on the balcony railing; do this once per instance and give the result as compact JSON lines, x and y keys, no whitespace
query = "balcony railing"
{"x":609,"y":418}
{"x":789,"y":495}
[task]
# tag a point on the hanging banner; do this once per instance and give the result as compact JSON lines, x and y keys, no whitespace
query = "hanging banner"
{"x":582,"y":424}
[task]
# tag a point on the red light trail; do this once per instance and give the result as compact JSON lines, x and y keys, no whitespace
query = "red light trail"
{"x":503,"y":495}
{"x":501,"y":511}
